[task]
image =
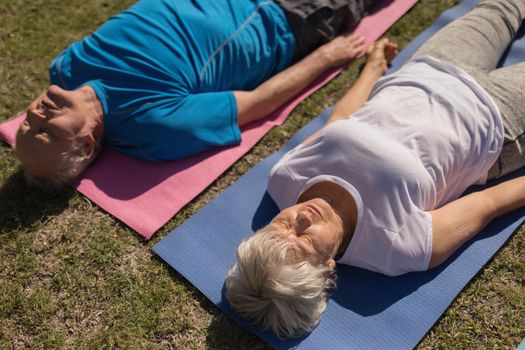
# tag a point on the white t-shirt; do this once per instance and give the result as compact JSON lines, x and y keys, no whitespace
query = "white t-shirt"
{"x":427,"y":132}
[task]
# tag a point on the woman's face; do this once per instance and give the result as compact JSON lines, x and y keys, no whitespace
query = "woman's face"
{"x":313,"y":228}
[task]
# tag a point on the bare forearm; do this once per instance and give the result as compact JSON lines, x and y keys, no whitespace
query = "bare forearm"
{"x":354,"y":98}
{"x":253,"y":105}
{"x":357,"y":95}
{"x":379,"y":56}
{"x":507,"y":196}
{"x":458,"y":221}
{"x":256,"y":104}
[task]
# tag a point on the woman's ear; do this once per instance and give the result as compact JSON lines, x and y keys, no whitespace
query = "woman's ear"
{"x":331,"y":264}
{"x":331,"y":273}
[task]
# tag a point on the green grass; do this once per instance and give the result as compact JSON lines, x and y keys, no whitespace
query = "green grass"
{"x":71,"y":276}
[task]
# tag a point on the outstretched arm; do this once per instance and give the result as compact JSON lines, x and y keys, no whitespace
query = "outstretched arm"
{"x":458,"y":221}
{"x":267,"y":97}
{"x":379,"y":56}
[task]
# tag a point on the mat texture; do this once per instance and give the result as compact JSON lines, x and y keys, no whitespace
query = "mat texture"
{"x":367,"y":310}
{"x":146,"y":195}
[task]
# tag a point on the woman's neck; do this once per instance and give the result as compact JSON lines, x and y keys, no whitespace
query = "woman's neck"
{"x":343,"y":204}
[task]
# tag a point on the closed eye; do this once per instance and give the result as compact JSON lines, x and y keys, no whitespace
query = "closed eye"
{"x":45,"y":134}
{"x":282,"y":222}
{"x":308,"y":240}
{"x":47,"y":131}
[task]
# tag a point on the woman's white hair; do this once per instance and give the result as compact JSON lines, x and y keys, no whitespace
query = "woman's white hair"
{"x":70,"y":165}
{"x":288,"y":299}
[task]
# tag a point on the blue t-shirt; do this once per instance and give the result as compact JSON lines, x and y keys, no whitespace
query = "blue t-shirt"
{"x":164,"y":71}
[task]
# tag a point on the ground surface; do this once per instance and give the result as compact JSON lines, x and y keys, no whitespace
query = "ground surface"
{"x":71,"y":276}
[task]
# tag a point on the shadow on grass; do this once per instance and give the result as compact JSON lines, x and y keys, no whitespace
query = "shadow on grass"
{"x":22,"y":205}
{"x":222,"y":333}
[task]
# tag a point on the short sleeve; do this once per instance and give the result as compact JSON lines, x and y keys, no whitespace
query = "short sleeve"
{"x":209,"y":118}
{"x":176,"y":127}
{"x":412,"y":247}
{"x":393,"y":252}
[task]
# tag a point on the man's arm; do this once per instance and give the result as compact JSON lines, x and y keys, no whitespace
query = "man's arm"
{"x":270,"y":95}
{"x":458,"y":221}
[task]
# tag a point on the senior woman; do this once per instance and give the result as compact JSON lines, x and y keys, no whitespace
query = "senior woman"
{"x":380,"y":190}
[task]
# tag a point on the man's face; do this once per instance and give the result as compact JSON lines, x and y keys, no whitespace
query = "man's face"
{"x":54,"y":121}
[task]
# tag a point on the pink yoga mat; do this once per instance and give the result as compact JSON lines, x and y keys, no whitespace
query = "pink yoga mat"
{"x":146,"y":195}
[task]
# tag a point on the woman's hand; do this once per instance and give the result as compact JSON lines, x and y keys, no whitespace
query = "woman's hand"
{"x":380,"y":54}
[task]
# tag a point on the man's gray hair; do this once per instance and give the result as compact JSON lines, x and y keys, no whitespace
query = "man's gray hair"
{"x":288,"y":299}
{"x":70,"y":165}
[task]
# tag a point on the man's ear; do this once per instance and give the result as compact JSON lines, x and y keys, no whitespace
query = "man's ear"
{"x":88,"y":146}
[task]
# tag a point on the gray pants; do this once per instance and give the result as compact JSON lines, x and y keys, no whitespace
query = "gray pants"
{"x":315,"y":22}
{"x":475,"y":43}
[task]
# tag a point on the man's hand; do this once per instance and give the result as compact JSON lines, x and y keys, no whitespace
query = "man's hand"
{"x":341,"y":49}
{"x":258,"y":103}
{"x":380,"y":54}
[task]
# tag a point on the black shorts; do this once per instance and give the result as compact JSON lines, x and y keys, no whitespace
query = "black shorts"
{"x":315,"y":22}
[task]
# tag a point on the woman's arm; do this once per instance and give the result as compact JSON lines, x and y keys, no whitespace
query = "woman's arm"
{"x":458,"y":221}
{"x":379,"y":56}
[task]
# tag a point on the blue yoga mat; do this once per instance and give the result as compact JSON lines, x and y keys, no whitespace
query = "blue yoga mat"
{"x":367,"y":310}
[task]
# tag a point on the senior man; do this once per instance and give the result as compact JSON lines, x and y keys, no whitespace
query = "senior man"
{"x":167,"y":79}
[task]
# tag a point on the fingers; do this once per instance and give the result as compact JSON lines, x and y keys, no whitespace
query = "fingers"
{"x":384,"y":46}
{"x":352,"y":36}
{"x":355,"y":40}
{"x":377,"y":45}
{"x":358,"y":38}
{"x":391,"y":51}
{"x":349,"y":46}
{"x":390,"y":46}
{"x":381,"y":44}
{"x":370,"y":48}
{"x":381,"y":53}
{"x":355,"y":44}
